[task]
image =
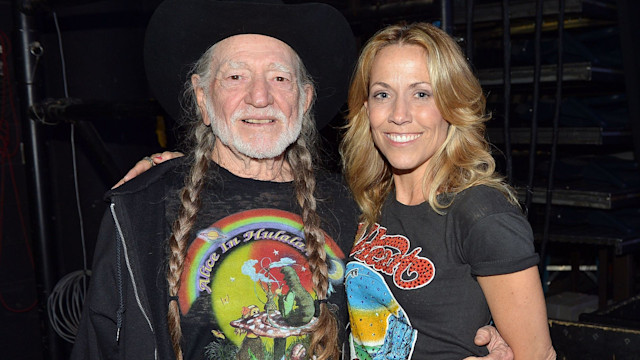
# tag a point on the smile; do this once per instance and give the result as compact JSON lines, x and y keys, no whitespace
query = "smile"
{"x":258,"y":121}
{"x":402,"y":138}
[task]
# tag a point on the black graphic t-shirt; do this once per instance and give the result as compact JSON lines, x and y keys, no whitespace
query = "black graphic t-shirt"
{"x":411,"y":279}
{"x":246,"y":290}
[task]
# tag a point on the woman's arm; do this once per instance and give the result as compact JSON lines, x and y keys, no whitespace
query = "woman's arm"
{"x":518,"y":308}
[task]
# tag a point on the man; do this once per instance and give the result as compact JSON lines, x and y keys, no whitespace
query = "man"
{"x":232,"y":252}
{"x":236,"y":250}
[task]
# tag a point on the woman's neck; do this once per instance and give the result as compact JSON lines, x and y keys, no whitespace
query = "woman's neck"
{"x":409,"y":188}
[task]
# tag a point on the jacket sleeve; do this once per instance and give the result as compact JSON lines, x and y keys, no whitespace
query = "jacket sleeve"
{"x":97,"y":334}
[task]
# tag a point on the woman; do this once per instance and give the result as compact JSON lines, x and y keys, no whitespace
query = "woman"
{"x":442,"y":246}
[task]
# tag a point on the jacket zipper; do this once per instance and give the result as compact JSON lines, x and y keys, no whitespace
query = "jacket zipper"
{"x":122,"y":241}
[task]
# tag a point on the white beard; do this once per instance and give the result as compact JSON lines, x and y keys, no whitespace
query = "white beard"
{"x":259,"y":146}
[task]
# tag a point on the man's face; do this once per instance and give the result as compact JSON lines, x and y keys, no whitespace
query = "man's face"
{"x":255,"y":106}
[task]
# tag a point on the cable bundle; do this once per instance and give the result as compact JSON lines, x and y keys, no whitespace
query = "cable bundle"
{"x":64,"y":305}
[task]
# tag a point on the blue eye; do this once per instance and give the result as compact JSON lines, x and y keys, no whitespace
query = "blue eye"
{"x":381,"y":95}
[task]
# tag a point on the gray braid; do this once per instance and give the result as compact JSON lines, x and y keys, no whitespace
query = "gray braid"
{"x":201,"y":141}
{"x":302,"y":155}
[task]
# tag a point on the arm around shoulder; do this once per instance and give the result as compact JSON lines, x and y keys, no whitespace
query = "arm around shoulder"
{"x":518,"y":308}
{"x":147,"y":163}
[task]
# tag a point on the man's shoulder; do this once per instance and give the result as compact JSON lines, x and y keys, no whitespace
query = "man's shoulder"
{"x":329,"y":178}
{"x":333,"y":193}
{"x":154,"y":180}
{"x":332,"y":184}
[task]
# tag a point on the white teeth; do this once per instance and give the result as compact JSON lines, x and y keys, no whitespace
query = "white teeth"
{"x":256,"y":121}
{"x":402,"y":138}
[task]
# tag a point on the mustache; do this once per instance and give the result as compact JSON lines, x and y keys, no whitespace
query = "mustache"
{"x":266,"y":113}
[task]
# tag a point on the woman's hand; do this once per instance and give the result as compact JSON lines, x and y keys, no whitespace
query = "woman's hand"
{"x":147,"y":163}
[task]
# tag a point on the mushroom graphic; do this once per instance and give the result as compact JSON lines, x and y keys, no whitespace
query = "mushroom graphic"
{"x":271,"y":325}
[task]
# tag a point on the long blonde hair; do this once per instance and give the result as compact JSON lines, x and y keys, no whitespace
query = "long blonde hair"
{"x":463,"y":160}
{"x":302,"y":157}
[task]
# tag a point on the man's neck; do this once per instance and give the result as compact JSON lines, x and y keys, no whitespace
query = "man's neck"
{"x":273,"y":169}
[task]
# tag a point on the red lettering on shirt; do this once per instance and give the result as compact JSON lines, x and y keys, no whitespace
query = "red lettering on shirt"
{"x":391,"y":255}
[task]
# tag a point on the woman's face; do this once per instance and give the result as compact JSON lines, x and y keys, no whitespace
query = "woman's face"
{"x":405,"y":123}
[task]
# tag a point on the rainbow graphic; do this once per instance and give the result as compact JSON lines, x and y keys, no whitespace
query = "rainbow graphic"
{"x":217,"y":258}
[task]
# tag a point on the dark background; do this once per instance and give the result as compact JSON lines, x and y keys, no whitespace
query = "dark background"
{"x":594,"y":220}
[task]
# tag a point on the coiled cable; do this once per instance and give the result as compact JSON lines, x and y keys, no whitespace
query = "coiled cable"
{"x":64,"y":305}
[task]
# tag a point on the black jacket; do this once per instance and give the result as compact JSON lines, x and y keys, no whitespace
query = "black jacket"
{"x":120,"y":317}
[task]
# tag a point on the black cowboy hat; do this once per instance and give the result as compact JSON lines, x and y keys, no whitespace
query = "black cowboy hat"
{"x":180,"y":31}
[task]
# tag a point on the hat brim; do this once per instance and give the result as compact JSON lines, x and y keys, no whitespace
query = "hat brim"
{"x":180,"y":31}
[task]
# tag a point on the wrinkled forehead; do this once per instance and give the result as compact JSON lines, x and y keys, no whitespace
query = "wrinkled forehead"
{"x":254,"y":50}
